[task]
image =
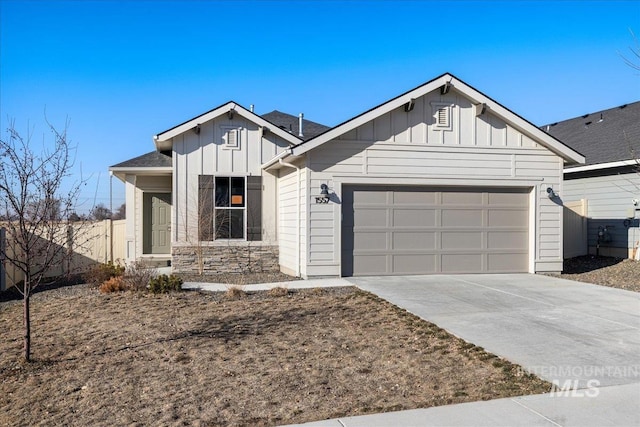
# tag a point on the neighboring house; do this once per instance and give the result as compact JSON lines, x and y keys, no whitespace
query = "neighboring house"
{"x":609,"y":182}
{"x":441,"y":179}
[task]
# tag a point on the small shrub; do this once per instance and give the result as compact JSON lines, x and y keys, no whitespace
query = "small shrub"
{"x":235,"y":292}
{"x":100,"y":273}
{"x":164,"y":284}
{"x":278,"y":291}
{"x":114,"y":284}
{"x":138,"y":276}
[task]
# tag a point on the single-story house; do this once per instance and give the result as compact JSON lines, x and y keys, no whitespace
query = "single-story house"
{"x":440,"y":179}
{"x":609,"y":182}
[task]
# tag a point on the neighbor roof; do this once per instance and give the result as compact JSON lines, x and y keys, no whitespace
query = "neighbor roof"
{"x":290,"y":123}
{"x":606,"y":136}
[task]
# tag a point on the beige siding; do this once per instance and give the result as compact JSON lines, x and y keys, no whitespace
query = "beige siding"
{"x":405,"y":147}
{"x":291,"y":225}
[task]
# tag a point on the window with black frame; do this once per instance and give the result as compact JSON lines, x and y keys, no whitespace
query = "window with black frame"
{"x":230,"y":206}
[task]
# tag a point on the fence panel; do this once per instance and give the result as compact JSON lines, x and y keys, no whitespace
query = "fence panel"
{"x":85,"y":244}
{"x":575,"y":229}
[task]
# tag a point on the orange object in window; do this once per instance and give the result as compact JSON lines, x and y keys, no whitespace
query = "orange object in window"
{"x":236,"y":200}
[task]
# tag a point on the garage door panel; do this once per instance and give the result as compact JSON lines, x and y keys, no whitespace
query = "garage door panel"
{"x":461,"y":263}
{"x":461,"y":198}
{"x":507,"y":263}
{"x":414,"y":218}
{"x":370,"y":217}
{"x":422,"y":230}
{"x":504,"y":198}
{"x":415,"y":264}
{"x":411,"y":241}
{"x":507,"y":218}
{"x":372,"y":264}
{"x":461,"y":240}
{"x":507,"y":240}
{"x":369,"y":197}
{"x":413,"y":197}
{"x":461,"y":218}
{"x":371,"y":240}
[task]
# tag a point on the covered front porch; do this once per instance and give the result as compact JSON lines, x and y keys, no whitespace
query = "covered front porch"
{"x":148,"y":194}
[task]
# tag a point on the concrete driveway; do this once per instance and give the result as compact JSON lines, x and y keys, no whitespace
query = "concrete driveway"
{"x":557,"y":329}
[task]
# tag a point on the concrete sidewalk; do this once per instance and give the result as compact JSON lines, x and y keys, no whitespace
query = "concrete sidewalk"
{"x":613,"y":406}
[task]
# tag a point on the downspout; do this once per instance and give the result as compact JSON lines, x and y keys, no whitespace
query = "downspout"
{"x":283,"y":163}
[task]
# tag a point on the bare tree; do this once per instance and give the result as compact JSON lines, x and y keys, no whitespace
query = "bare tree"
{"x":634,"y":60}
{"x":32,"y":196}
{"x":121,"y":213}
{"x":100,"y":212}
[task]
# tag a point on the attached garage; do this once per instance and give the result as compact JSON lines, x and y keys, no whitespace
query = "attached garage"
{"x":441,"y":179}
{"x":425,"y":230}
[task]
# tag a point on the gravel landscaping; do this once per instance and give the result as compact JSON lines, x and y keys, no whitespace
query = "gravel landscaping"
{"x":606,"y":271}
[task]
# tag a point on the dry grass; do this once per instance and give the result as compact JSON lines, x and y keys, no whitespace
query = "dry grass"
{"x":203,"y":359}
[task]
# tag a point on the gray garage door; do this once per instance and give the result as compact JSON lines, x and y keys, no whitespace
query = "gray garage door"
{"x":424,"y":230}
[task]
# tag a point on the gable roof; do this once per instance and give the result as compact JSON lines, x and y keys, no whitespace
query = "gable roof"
{"x":154,"y":162}
{"x":153,"y":159}
{"x":290,"y":123}
{"x":163,"y":139}
{"x":474,"y":95}
{"x":606,"y":137}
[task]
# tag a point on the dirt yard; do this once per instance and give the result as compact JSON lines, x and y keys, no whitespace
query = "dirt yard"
{"x":201,"y":359}
{"x":605,"y":271}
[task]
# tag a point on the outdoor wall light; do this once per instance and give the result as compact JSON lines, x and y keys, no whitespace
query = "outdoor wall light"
{"x":324,"y":194}
{"x":550,"y":193}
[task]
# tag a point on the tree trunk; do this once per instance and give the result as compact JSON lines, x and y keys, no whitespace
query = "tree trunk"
{"x":27,"y":325}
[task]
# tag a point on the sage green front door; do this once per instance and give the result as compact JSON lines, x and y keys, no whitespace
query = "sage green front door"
{"x":157,"y":223}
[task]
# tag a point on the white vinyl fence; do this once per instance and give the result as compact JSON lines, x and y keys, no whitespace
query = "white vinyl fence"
{"x":89,"y":244}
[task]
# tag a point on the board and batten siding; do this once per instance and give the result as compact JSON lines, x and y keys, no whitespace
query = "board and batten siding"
{"x":204,"y":153}
{"x":609,"y":198}
{"x":403,"y":148}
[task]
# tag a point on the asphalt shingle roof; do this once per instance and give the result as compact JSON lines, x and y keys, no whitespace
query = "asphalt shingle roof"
{"x":153,"y":159}
{"x":604,"y":136}
{"x":290,"y":123}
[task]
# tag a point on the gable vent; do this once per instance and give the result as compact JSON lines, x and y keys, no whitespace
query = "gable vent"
{"x":441,"y":116}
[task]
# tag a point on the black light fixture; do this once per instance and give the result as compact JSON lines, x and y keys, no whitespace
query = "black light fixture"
{"x":551,"y":194}
{"x":196,"y":129}
{"x":230,"y":113}
{"x":324,"y":194}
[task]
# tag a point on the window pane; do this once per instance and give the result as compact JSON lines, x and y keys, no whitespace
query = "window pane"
{"x":222,"y":191}
{"x":237,"y":192}
{"x":222,"y":224}
{"x":237,"y":223}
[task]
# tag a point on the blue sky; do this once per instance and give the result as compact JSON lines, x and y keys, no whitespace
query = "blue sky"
{"x":122,"y":71}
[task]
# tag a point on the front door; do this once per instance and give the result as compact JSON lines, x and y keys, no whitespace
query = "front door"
{"x":157,"y":223}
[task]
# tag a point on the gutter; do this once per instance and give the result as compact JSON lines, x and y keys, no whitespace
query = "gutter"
{"x":286,"y":153}
{"x":283,"y":163}
{"x":601,"y":166}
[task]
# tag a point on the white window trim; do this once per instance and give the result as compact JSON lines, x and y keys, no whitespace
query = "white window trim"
{"x":448,"y":107}
{"x":224,"y":132}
